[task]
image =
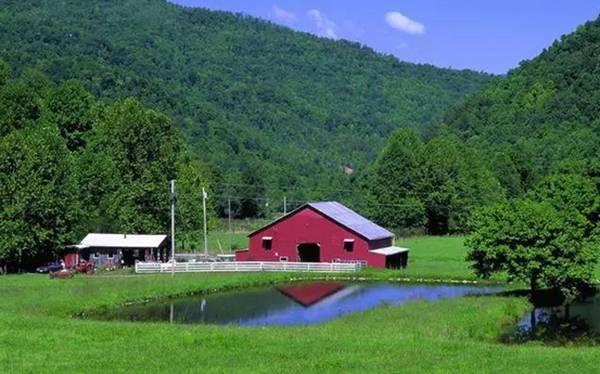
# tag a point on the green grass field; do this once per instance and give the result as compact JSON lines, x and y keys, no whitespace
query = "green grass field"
{"x":39,"y":334}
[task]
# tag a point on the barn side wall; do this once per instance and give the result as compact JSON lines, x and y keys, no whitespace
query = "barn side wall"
{"x":308,"y":226}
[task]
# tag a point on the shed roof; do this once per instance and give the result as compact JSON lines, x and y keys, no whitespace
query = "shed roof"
{"x":344,"y":217}
{"x":122,"y":241}
{"x":388,"y":251}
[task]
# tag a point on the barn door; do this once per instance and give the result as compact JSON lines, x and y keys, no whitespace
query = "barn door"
{"x":309,"y":252}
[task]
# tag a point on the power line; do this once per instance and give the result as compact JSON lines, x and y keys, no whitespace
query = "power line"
{"x":333,"y":189}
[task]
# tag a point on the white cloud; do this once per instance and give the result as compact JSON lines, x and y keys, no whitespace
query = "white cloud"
{"x":401,"y":22}
{"x":325,"y":26}
{"x":283,"y":15}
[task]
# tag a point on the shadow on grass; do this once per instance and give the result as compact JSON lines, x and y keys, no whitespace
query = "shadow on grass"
{"x":553,"y":322}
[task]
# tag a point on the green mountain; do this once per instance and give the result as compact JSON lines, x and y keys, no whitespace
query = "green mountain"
{"x":517,"y":133}
{"x":544,"y":116}
{"x":268,"y":109}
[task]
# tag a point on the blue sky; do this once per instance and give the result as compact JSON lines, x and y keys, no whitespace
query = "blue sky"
{"x":488,"y":35}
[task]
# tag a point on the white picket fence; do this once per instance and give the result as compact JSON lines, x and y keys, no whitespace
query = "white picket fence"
{"x":245,"y":266}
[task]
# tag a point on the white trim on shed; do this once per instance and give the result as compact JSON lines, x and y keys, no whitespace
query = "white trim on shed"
{"x":388,"y":251}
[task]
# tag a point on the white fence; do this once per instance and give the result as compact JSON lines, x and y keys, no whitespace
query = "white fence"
{"x":199,"y":267}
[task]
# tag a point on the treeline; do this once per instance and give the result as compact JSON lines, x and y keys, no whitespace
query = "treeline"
{"x":70,"y":164}
{"x":429,"y":187}
{"x":273,"y":112}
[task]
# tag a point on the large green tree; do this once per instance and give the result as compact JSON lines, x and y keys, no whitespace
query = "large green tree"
{"x":548,"y":239}
{"x":70,"y":108}
{"x":20,"y":107}
{"x":394,"y":189}
{"x":192,"y":178}
{"x":146,"y":150}
{"x":38,"y":207}
{"x":432,"y":186}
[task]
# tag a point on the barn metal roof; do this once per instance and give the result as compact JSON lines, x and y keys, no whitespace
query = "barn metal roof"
{"x":350,"y":219}
{"x":122,"y":241}
{"x":341,"y":215}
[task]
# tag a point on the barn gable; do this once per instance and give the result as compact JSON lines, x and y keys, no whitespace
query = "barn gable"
{"x":342,"y":216}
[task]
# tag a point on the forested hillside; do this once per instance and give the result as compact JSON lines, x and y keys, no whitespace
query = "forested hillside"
{"x":543,"y":117}
{"x":269,"y":109}
{"x":519,"y":132}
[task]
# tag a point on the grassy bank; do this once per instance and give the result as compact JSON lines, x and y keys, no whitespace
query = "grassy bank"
{"x":458,"y":335}
{"x":38,"y":331}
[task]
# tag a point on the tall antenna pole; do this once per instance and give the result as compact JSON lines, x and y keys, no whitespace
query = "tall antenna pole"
{"x":285,"y":205}
{"x":205,"y":231}
{"x":173,"y":198}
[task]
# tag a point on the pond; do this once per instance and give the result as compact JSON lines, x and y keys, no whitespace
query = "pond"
{"x":578,"y":322}
{"x":290,"y":304}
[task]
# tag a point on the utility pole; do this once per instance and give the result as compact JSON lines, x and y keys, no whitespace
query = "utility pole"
{"x":285,"y":205}
{"x":204,"y":196}
{"x":173,"y":198}
{"x":229,"y":221}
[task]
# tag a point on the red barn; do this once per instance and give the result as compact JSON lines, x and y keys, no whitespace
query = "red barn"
{"x":324,"y":232}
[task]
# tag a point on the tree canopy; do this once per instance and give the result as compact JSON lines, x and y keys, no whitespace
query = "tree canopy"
{"x":71,"y":165}
{"x":548,"y":239}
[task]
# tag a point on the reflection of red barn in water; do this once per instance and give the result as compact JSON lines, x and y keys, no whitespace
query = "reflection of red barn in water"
{"x":309,"y":294}
{"x":324,"y":232}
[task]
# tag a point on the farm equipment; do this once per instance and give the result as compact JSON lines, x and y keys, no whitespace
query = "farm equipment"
{"x":84,"y":267}
{"x":61,"y":274}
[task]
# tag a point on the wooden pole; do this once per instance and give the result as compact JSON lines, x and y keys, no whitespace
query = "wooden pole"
{"x":173,"y":227}
{"x":205,"y":230}
{"x":229,"y":222}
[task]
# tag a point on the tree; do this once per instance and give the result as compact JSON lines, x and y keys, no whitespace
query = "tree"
{"x":70,"y":109}
{"x":19,"y":107}
{"x":393,"y":196}
{"x":456,"y":180}
{"x":38,"y":208}
{"x":97,"y":179}
{"x":191,"y":179}
{"x":5,"y":72}
{"x":548,"y":239}
{"x":146,"y":150}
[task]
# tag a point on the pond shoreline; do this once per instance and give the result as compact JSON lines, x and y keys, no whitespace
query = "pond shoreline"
{"x":293,"y":278}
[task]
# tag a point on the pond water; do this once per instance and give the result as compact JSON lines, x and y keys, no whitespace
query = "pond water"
{"x":561,"y":324}
{"x":291,"y":304}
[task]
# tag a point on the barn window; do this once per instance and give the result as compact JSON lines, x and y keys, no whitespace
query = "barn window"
{"x":283,"y":259}
{"x":267,"y":243}
{"x":349,"y":245}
